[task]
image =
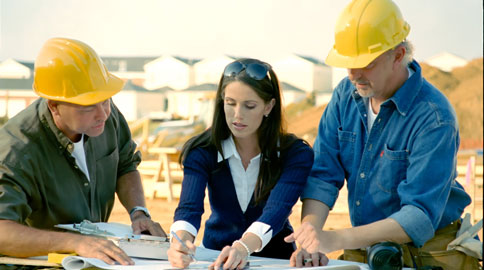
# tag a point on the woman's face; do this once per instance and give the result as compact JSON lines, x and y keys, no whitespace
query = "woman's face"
{"x":244,"y":110}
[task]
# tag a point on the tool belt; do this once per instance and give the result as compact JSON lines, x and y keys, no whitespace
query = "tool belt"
{"x":433,"y":253}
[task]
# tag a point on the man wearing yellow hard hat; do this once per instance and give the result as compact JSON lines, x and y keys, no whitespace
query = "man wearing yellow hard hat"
{"x":64,"y":157}
{"x":394,"y":138}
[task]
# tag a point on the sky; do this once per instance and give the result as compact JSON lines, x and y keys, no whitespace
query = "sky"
{"x":261,"y":29}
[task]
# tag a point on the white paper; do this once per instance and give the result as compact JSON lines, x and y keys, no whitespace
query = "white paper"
{"x":204,"y":257}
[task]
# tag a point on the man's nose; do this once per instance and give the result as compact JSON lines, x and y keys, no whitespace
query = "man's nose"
{"x":354,"y":73}
{"x":102,"y":113}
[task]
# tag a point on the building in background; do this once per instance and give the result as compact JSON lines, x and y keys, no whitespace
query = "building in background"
{"x":170,"y":71}
{"x":209,"y":70}
{"x":172,"y":85}
{"x":136,"y":102}
{"x":305,"y":73}
{"x":446,"y":61}
{"x":128,"y":68}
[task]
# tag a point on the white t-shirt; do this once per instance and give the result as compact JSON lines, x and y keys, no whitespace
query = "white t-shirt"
{"x":80,"y":156}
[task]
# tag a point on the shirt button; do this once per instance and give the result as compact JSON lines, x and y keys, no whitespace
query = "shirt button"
{"x":357,"y":203}
{"x":364,"y":115}
{"x":370,"y":146}
{"x":86,"y":184}
{"x":69,"y":146}
{"x":75,"y":166}
{"x":362,"y":175}
{"x":379,"y":119}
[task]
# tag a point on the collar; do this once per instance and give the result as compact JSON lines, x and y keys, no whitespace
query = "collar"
{"x":45,"y":117}
{"x":406,"y":94}
{"x":229,"y":150}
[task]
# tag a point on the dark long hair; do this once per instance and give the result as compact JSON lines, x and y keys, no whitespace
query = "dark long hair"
{"x":272,"y":137}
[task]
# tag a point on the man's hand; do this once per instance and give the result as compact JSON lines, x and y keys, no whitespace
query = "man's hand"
{"x":106,"y":250}
{"x":314,"y":240}
{"x":141,"y":223}
{"x":301,"y":258}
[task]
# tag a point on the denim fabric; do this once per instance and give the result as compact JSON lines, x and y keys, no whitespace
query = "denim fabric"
{"x":403,"y":168}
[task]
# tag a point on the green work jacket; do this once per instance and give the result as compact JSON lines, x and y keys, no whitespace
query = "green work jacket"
{"x":40,"y":182}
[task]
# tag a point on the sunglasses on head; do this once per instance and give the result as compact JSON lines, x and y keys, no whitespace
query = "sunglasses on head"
{"x":257,"y":71}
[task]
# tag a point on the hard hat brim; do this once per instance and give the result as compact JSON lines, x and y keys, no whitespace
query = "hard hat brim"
{"x":336,"y":59}
{"x":113,"y":86}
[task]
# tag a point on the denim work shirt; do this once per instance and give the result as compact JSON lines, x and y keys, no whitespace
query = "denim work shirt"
{"x":404,"y":168}
{"x":40,"y":182}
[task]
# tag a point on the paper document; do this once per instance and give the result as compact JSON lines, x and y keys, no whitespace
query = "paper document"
{"x":204,"y":257}
{"x":141,"y":246}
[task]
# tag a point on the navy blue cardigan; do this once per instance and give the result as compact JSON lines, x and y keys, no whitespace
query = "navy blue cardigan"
{"x":227,"y":222}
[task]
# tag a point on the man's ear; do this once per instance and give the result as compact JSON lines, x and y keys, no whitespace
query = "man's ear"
{"x":53,"y":107}
{"x":399,"y":53}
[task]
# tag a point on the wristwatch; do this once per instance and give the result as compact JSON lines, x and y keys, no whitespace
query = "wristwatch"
{"x":140,"y":208}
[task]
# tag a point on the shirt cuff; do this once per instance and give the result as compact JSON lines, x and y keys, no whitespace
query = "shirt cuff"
{"x":181,"y":225}
{"x":263,"y":231}
{"x":415,"y":223}
{"x":320,"y":190}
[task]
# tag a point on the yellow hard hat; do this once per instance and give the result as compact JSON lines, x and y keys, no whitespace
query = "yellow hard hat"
{"x":364,"y":30}
{"x":69,"y":70}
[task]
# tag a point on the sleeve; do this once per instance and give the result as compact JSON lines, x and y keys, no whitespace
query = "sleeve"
{"x":286,"y":192}
{"x":181,"y":225}
{"x":327,"y":174}
{"x":196,"y":172}
{"x":263,"y":231}
{"x":15,"y":191}
{"x":425,"y":192}
{"x":129,"y":158}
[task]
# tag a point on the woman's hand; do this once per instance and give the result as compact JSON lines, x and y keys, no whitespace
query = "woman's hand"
{"x":178,"y":255}
{"x":231,"y":257}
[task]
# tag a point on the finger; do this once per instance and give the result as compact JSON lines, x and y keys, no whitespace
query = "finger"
{"x":299,"y":258}
{"x":177,"y":258}
{"x":105,"y":258}
{"x":119,"y":255}
{"x":156,"y":230}
{"x":136,"y":227}
{"x":233,"y":259}
{"x":323,"y":259}
{"x":292,"y":260}
{"x":221,"y":258}
{"x":314,"y":259}
{"x":301,"y":230}
{"x":308,"y":261}
{"x":242,"y":263}
{"x":192,"y":249}
{"x":290,"y":238}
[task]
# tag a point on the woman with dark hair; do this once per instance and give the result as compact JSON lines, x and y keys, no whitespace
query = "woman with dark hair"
{"x":253,"y":169}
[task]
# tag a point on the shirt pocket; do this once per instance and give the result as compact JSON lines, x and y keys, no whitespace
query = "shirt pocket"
{"x":106,"y":176}
{"x":392,"y":169}
{"x":347,"y":146}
